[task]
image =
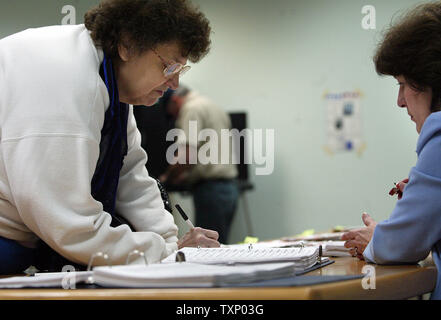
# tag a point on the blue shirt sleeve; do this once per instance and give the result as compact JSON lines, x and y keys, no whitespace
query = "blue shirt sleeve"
{"x":414,"y":226}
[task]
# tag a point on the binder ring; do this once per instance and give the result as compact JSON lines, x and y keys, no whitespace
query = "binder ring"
{"x":105,"y":256}
{"x":180,"y":256}
{"x":139,"y":253}
{"x":320,"y":253}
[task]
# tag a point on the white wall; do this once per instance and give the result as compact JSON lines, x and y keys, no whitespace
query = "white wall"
{"x":275,"y":59}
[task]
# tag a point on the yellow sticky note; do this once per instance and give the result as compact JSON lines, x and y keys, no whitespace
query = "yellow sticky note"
{"x":339,"y":228}
{"x":308,"y":232}
{"x":251,"y":240}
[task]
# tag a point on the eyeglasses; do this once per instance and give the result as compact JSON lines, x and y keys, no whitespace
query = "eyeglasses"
{"x":174,"y":68}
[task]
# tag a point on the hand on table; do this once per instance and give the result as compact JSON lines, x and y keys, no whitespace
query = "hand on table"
{"x":358,"y":239}
{"x":199,"y":237}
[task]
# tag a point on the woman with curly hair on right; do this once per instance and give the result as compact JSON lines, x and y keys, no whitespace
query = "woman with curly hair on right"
{"x":73,"y":180}
{"x":411,"y":52}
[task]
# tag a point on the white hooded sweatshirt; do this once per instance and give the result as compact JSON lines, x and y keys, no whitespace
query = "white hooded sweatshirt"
{"x":52,"y":106}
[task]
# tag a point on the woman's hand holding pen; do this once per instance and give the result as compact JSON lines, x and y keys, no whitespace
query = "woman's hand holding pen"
{"x":358,"y":239}
{"x":399,"y":188}
{"x":199,"y":237}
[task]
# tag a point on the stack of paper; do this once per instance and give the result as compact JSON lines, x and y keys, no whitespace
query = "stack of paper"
{"x":56,"y":279}
{"x":316,"y":237}
{"x":188,"y":274}
{"x":335,"y":249}
{"x":330,"y":248}
{"x":266,"y":244}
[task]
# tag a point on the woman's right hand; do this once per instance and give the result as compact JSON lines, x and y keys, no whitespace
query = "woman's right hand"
{"x":199,"y":237}
{"x":358,"y":239}
{"x":399,"y":189}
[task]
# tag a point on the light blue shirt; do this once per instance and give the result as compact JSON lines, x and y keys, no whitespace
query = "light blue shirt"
{"x":414,"y":227}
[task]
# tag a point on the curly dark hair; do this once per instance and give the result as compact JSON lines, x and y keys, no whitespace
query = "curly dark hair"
{"x":412,"y":48}
{"x":142,"y":24}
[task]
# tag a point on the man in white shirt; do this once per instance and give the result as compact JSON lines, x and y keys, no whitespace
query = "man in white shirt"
{"x":213,"y":185}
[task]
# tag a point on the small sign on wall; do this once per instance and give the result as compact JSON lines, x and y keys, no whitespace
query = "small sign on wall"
{"x":343,"y":123}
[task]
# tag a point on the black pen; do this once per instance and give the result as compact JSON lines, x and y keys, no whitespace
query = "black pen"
{"x":184,"y":216}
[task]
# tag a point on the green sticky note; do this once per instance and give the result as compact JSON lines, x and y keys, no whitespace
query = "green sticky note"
{"x":251,"y":240}
{"x":339,"y":228}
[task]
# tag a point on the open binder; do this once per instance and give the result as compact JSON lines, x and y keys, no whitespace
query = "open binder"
{"x":301,"y":257}
{"x":189,"y":267}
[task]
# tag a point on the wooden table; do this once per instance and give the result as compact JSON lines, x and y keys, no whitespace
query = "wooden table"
{"x":392,"y":282}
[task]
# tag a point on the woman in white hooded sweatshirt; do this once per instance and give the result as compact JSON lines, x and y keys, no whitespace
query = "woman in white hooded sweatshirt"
{"x":73,"y":180}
